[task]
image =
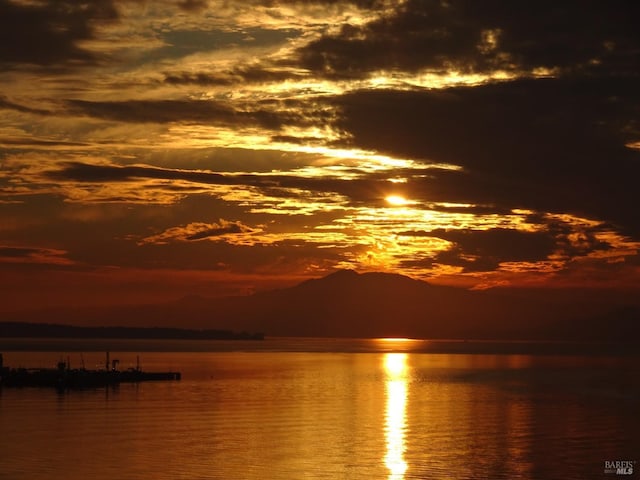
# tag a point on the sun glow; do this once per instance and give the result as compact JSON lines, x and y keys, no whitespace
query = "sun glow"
{"x":395,"y":366}
{"x":396,"y":200}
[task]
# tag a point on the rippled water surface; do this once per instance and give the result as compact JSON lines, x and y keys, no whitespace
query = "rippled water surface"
{"x":252,"y":412}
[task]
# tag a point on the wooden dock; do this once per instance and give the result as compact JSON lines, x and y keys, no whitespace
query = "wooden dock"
{"x":63,"y":377}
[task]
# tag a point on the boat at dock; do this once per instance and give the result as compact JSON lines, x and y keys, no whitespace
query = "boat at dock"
{"x":64,"y":377}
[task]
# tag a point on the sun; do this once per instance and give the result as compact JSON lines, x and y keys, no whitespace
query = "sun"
{"x":396,"y":200}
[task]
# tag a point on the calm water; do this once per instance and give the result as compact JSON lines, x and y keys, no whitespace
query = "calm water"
{"x":312,"y":409}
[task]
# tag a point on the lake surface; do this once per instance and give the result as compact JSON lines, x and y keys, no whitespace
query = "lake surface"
{"x":322,"y":409}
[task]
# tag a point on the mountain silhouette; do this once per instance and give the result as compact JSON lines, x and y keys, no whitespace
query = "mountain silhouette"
{"x":349,"y":304}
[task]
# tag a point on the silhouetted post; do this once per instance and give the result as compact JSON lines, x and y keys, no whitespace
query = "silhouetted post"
{"x":107,"y":363}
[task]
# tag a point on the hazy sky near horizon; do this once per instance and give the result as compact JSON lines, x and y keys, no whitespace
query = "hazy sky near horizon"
{"x":150,"y":149}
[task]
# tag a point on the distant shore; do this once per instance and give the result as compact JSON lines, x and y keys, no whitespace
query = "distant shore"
{"x":53,"y":330}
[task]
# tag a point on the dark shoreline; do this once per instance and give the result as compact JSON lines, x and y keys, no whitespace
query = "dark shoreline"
{"x":54,"y":330}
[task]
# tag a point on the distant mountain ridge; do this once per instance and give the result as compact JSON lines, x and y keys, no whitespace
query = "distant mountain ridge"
{"x":351,"y":304}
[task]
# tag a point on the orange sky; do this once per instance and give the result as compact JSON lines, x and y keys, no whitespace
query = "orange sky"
{"x":151,"y":150}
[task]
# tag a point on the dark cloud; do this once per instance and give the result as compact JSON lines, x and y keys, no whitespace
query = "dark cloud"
{"x":471,"y":209}
{"x":19,"y":252}
{"x":29,"y":256}
{"x":506,"y":244}
{"x":484,"y":250}
{"x":193,"y":5}
{"x":26,"y":142}
{"x":546,"y":145}
{"x":467,"y":35}
{"x":186,"y":111}
{"x":297,"y":140}
{"x":83,"y":172}
{"x":48,"y":32}
{"x":360,"y":190}
{"x":200,"y":79}
{"x":224,"y":228}
{"x":5,"y":103}
{"x":574,"y":241}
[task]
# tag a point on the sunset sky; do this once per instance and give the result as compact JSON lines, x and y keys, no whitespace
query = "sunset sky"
{"x":155,"y":149}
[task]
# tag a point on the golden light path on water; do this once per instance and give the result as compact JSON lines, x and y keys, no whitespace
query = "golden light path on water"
{"x":395,"y":367}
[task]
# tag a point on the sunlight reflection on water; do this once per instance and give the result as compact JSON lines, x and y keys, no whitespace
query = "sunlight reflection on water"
{"x":395,"y":367}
